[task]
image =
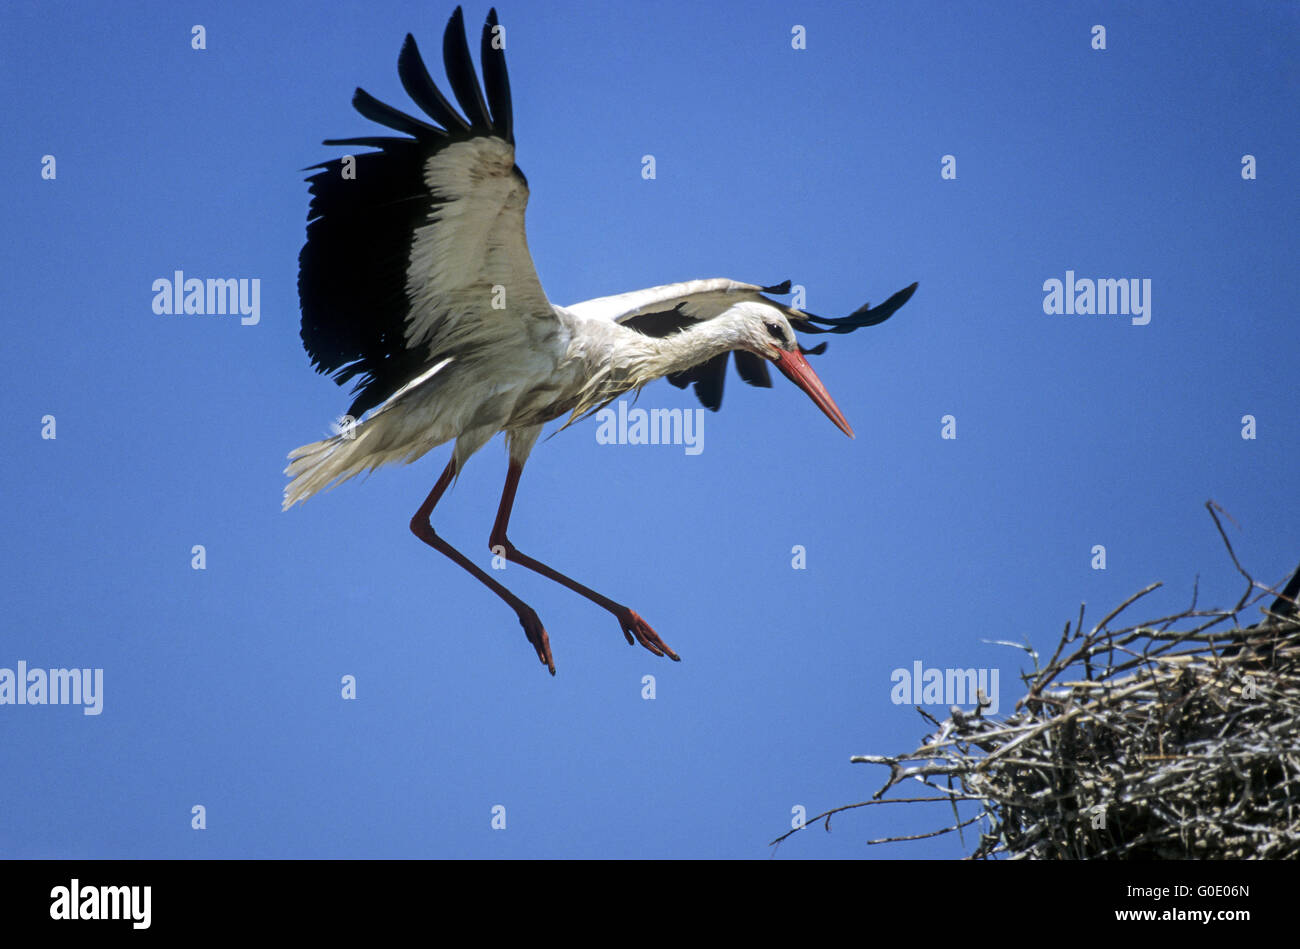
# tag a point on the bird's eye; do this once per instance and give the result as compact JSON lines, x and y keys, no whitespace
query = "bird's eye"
{"x":775,"y":330}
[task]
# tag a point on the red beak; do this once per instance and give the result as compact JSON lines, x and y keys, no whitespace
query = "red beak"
{"x":797,"y":370}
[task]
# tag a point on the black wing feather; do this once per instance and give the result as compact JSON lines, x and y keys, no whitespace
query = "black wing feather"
{"x":753,"y":369}
{"x":461,"y":74}
{"x":395,"y":119}
{"x":424,"y":92}
{"x":659,"y":323}
{"x":370,"y":141}
{"x":862,"y":316}
{"x":350,"y":266}
{"x":709,"y":377}
{"x":496,"y":80}
{"x":352,"y":269}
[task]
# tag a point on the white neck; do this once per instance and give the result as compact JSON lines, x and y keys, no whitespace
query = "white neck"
{"x":624,"y":359}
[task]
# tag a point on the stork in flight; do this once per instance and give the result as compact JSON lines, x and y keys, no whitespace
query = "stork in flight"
{"x":417,"y":282}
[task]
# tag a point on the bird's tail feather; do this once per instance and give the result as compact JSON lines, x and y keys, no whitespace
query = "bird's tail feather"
{"x":323,"y":465}
{"x":400,"y":430}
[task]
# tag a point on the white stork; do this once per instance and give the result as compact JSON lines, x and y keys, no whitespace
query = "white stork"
{"x":416,"y":281}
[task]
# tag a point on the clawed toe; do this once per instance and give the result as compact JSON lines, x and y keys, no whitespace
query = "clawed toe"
{"x":536,"y":634}
{"x":637,"y":630}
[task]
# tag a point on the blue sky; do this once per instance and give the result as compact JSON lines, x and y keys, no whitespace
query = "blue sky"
{"x":222,"y":685}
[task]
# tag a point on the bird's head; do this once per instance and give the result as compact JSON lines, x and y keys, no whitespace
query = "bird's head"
{"x":764,"y":330}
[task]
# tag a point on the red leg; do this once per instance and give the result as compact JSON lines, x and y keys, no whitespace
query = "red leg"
{"x":635,"y":629}
{"x":422,"y":527}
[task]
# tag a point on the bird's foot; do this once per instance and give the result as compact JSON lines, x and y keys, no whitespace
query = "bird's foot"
{"x":637,"y":630}
{"x":536,"y":634}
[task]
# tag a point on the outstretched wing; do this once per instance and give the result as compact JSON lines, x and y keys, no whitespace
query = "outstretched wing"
{"x":417,"y":252}
{"x":659,"y":311}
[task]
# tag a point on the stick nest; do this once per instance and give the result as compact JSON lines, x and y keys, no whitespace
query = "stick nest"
{"x":1135,"y":743}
